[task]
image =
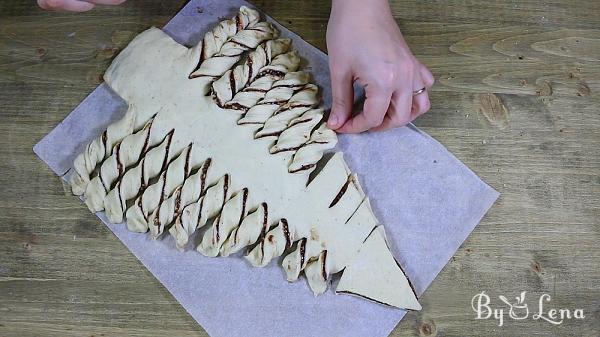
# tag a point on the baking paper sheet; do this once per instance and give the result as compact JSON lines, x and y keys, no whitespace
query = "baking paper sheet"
{"x":428,"y":201}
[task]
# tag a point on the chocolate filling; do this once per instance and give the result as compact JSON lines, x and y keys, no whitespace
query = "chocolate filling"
{"x":275,"y":133}
{"x":299,"y":122}
{"x":295,"y":148}
{"x":235,"y":233}
{"x":102,"y":181}
{"x":248,"y":123}
{"x":271,"y":72}
{"x":164,"y":185}
{"x":217,"y":222}
{"x":236,"y":106}
{"x":103,"y":137}
{"x":363,"y":296}
{"x":265,"y":220}
{"x":169,"y":138}
{"x":267,"y":54}
{"x":302,"y":252}
{"x":250,"y":89}
{"x":142,"y":178}
{"x":215,"y":95}
{"x":341,"y":192}
{"x":149,"y":125}
{"x":238,"y":23}
{"x":244,"y":200}
{"x":139,"y":203}
{"x":262,"y":249}
{"x":120,"y":197}
{"x":286,"y":233}
{"x":225,"y":188}
{"x":205,"y":167}
{"x":293,"y":86}
{"x":323,"y":264}
{"x":249,"y":62}
{"x":303,"y":167}
{"x":202,"y":54}
{"x":200,"y":212}
{"x":280,"y":102}
{"x":156,"y":220}
{"x":243,"y":45}
{"x":177,"y":202}
{"x":186,"y":168}
{"x":118,"y":159}
{"x":291,"y":106}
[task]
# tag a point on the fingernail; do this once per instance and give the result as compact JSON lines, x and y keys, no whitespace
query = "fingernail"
{"x":333,"y":120}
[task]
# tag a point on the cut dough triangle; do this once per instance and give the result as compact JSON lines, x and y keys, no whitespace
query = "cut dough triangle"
{"x":375,"y":275}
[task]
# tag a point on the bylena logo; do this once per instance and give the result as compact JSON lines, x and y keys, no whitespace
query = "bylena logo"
{"x":519,"y":309}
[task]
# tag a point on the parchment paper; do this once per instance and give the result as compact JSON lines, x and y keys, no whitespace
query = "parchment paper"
{"x":428,"y":201}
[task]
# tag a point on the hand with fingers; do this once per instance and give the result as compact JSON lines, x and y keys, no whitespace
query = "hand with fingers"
{"x":75,"y":5}
{"x":365,"y":46}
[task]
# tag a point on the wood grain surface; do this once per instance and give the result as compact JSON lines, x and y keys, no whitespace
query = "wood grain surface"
{"x":516,"y":99}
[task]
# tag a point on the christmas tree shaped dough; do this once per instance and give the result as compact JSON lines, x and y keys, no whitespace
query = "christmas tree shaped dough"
{"x":218,"y":142}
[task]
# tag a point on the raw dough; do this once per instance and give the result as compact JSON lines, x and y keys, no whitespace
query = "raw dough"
{"x":220,"y":139}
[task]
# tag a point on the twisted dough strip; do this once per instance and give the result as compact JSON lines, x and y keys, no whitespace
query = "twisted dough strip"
{"x":124,"y":154}
{"x":301,"y":101}
{"x":274,"y":243}
{"x":230,"y":217}
{"x":214,"y":39}
{"x":190,"y":191}
{"x":96,"y":191}
{"x":296,"y":261}
{"x":257,"y":89}
{"x":239,"y":77}
{"x":253,"y":226}
{"x":317,"y":273}
{"x":196,"y":214}
{"x":136,"y":179}
{"x":307,"y":156}
{"x":232,"y":50}
{"x":280,"y":93}
{"x":99,"y":149}
{"x":149,"y":199}
{"x":298,"y":131}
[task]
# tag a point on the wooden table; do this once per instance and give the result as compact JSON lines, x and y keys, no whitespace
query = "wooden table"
{"x":516,"y":99}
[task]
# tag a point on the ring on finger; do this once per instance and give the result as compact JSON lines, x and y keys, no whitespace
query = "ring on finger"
{"x":420,"y":91}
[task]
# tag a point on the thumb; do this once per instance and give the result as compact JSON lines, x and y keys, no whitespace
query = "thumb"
{"x":342,"y":100}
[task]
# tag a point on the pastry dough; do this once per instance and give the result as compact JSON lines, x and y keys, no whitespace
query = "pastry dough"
{"x":375,"y":274}
{"x":221,"y":139}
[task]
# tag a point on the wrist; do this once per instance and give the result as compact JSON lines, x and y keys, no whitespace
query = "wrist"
{"x":359,"y":8}
{"x":362,"y":3}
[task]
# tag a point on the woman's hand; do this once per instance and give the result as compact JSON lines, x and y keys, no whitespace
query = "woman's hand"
{"x":365,"y":45}
{"x":75,"y":5}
